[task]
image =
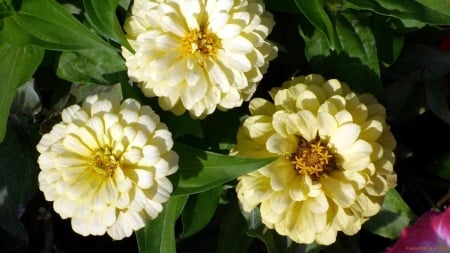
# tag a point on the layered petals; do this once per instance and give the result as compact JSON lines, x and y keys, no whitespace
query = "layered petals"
{"x":105,"y":166}
{"x":198,"y":55}
{"x":335,"y":159}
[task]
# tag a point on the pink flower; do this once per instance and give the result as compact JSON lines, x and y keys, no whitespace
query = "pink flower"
{"x":430,"y":233}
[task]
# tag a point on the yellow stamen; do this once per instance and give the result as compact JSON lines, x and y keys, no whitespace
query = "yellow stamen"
{"x":201,"y":44}
{"x":103,"y":162}
{"x":312,"y":159}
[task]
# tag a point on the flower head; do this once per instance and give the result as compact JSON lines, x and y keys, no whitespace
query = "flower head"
{"x":335,"y":159}
{"x":431,"y":233}
{"x":105,"y":166}
{"x":198,"y":55}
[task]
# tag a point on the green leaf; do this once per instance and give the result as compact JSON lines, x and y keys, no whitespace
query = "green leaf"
{"x":436,"y":12}
{"x":158,"y":236}
{"x":355,"y":50}
{"x":48,"y":24}
{"x":199,"y":210}
{"x":233,"y":232}
{"x":315,"y":13}
{"x":101,"y":15}
{"x":17,"y":65}
{"x":92,"y":66}
{"x":5,"y":10}
{"x":202,"y":170}
{"x":18,"y":179}
{"x":388,"y":43}
{"x":393,"y":217}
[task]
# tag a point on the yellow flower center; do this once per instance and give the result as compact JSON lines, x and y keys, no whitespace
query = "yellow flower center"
{"x":313,"y":159}
{"x":201,"y":43}
{"x":103,"y":162}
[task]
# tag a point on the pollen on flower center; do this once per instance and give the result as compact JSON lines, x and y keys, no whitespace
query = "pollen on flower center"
{"x":313,"y":159}
{"x":203,"y":43}
{"x":103,"y":162}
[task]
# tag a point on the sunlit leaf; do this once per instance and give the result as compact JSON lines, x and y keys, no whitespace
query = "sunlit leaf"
{"x":201,"y":170}
{"x":199,"y":210}
{"x":102,"y":16}
{"x":91,"y":66}
{"x":158,"y":236}
{"x":48,"y":24}
{"x":427,"y":11}
{"x":355,"y":51}
{"x":17,"y":65}
{"x":393,"y":217}
{"x":315,"y":13}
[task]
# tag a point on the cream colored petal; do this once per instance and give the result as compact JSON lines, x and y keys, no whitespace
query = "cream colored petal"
{"x":281,"y":146}
{"x":344,"y":136}
{"x":261,"y":106}
{"x":307,"y":100}
{"x":80,"y":226}
{"x":318,"y":204}
{"x":343,"y":117}
{"x":285,"y":124}
{"x":95,"y":223}
{"x":68,"y":114}
{"x":153,"y":208}
{"x":307,"y":125}
{"x":326,"y":236}
{"x":326,"y":125}
{"x":122,"y":228}
{"x":343,"y":194}
{"x":297,"y":189}
{"x":75,"y":144}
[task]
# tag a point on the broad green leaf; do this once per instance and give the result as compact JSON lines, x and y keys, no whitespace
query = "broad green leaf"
{"x":199,"y":210}
{"x":356,"y":40}
{"x":48,"y":24}
{"x":233,"y":232}
{"x":315,"y":13}
{"x":5,"y":10}
{"x":393,"y":217}
{"x":355,"y":51}
{"x":17,"y":65}
{"x":202,"y":170}
{"x":18,"y":176}
{"x":436,"y":12}
{"x":388,"y":43}
{"x":92,"y":66}
{"x":102,"y":17}
{"x":158,"y":235}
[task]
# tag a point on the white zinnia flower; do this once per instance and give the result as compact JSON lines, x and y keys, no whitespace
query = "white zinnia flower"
{"x":335,"y":159}
{"x":105,"y":166}
{"x":197,"y":55}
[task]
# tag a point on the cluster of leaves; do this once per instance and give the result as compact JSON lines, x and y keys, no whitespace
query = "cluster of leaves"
{"x":63,"y":51}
